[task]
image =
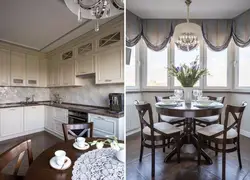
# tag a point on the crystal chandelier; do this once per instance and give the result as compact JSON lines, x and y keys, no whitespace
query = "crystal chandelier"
{"x":95,"y":9}
{"x":186,"y":35}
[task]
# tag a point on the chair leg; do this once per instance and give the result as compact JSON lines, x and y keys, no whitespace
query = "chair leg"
{"x":168,"y":142}
{"x":238,"y":152}
{"x":224,"y":162}
{"x":199,"y":150}
{"x":216,"y":147}
{"x":163,"y":143}
{"x":141,"y":151}
{"x":153,"y":162}
{"x":194,"y":126}
{"x":178,"y":148}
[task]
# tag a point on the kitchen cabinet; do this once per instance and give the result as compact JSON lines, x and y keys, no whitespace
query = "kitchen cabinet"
{"x":53,"y":77}
{"x":11,"y":120}
{"x":18,"y":68}
{"x":109,"y":39}
{"x":67,"y":73}
{"x":43,"y":73}
{"x":34,"y":117}
{"x":4,"y":67}
{"x":49,"y":117}
{"x":109,"y":66}
{"x":32,"y":70}
{"x":85,"y":59}
{"x":107,"y":126}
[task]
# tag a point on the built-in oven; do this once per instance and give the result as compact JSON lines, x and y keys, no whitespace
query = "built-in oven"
{"x":77,"y":117}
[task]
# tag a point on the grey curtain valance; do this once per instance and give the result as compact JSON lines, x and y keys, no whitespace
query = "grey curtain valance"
{"x":241,"y":29}
{"x":133,"y":28}
{"x":217,"y":33}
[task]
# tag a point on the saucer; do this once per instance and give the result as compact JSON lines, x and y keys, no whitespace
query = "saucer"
{"x":54,"y":165}
{"x":81,"y":148}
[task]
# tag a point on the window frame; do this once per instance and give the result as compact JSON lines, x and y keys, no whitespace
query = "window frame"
{"x":230,"y":53}
{"x":236,"y":74}
{"x":144,"y":71}
{"x":137,"y":70}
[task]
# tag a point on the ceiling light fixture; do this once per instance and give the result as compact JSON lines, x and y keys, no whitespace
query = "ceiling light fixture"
{"x":186,"y":35}
{"x":95,"y":9}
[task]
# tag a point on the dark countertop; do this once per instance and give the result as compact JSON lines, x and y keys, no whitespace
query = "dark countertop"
{"x":73,"y":107}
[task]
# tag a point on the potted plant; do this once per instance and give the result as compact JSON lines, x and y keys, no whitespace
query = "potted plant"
{"x":188,"y":75}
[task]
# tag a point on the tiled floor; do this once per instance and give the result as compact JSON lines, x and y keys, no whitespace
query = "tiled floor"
{"x":187,"y":169}
{"x":40,"y":142}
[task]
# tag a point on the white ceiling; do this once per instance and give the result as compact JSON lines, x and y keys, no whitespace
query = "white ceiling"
{"x":38,"y":23}
{"x":199,"y":9}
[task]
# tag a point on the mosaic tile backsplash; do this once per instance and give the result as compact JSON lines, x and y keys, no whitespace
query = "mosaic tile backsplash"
{"x":17,"y":94}
{"x":89,"y":94}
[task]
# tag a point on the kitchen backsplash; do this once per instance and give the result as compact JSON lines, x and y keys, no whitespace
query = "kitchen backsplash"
{"x":89,"y":94}
{"x":17,"y":94}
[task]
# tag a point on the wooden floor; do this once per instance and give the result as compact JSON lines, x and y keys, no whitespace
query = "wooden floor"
{"x":187,"y":169}
{"x":40,"y":142}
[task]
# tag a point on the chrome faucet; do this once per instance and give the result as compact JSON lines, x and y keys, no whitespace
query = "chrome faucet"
{"x":27,"y":99}
{"x":33,"y":98}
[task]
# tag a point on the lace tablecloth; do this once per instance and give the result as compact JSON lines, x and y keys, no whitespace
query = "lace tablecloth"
{"x":99,"y":164}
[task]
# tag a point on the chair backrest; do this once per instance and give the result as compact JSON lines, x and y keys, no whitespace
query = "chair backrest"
{"x":237,"y":113}
{"x":219,"y":99}
{"x":12,"y":153}
{"x":159,"y":98}
{"x":67,"y":129}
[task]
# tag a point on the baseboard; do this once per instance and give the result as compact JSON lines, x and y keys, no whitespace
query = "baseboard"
{"x":245,"y":133}
{"x":133,"y":132}
{"x":54,"y":133}
{"x":20,"y":134}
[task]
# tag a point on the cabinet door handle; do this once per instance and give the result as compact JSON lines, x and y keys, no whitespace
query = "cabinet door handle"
{"x":108,"y":80}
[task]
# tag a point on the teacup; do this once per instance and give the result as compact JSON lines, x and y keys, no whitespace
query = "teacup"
{"x":80,"y":142}
{"x":60,"y":157}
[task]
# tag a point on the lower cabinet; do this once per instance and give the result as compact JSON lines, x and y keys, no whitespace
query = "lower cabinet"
{"x":34,"y":118}
{"x":107,"y":126}
{"x":11,"y":121}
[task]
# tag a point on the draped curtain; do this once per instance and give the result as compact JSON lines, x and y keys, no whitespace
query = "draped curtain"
{"x":217,"y":33}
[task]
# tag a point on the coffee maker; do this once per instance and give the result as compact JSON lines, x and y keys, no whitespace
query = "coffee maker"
{"x":116,"y":102}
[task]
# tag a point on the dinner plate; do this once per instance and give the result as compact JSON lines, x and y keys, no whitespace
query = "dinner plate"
{"x":170,"y":103}
{"x":81,"y":148}
{"x":54,"y":165}
{"x":204,"y":105}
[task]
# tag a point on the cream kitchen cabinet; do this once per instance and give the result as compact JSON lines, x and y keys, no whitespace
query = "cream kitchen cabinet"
{"x":53,"y":72}
{"x":43,"y":77}
{"x":4,"y":67}
{"x":11,"y":121}
{"x":85,"y":60}
{"x":109,"y":66}
{"x":107,"y":126}
{"x":67,"y":73}
{"x":18,"y":68}
{"x":34,"y":117}
{"x":85,"y":65}
{"x":32,"y":70}
{"x":49,"y":118}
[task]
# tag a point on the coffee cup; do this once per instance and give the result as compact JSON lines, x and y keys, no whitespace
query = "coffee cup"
{"x":60,"y":157}
{"x":80,"y":142}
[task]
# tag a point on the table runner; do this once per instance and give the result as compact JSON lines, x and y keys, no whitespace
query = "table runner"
{"x":99,"y":164}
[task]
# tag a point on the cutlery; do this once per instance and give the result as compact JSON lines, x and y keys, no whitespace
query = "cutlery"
{"x":66,"y":160}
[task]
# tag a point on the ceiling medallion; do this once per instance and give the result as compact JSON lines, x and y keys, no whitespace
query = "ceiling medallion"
{"x":95,"y":9}
{"x":186,"y":35}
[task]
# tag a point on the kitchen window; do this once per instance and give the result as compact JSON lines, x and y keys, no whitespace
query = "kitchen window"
{"x":157,"y":63}
{"x":185,"y":57}
{"x":243,"y":67}
{"x":217,"y":65}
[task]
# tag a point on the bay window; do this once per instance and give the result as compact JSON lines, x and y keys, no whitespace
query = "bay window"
{"x":243,"y":67}
{"x":216,"y":63}
{"x":157,"y":63}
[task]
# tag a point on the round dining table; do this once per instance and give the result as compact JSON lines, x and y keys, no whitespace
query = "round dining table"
{"x":189,"y":111}
{"x":40,"y":169}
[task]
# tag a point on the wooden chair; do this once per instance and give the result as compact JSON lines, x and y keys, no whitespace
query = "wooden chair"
{"x":224,"y":134}
{"x":206,"y":121}
{"x":12,"y":153}
{"x":68,"y":129}
{"x":152,"y":132}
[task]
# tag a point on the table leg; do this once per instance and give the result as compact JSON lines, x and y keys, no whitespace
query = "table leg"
{"x":189,"y":138}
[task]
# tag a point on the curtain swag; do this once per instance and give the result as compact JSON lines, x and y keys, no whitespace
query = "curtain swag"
{"x":217,"y":33}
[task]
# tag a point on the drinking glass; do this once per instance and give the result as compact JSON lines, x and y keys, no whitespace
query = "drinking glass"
{"x":199,"y":93}
{"x":178,"y":93}
{"x":195,"y":93}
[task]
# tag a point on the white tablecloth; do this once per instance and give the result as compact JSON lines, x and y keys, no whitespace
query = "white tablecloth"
{"x":99,"y":164}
